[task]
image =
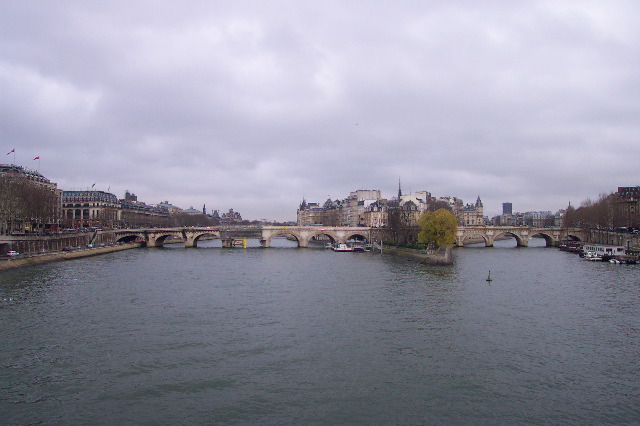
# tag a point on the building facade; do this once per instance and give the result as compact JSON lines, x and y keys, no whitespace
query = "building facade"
{"x":136,"y":214}
{"x":507,"y":208}
{"x":422,"y":200}
{"x":628,"y":207}
{"x":471,"y":214}
{"x":376,"y":214}
{"x":310,"y":214}
{"x":231,"y":217}
{"x":85,"y":209}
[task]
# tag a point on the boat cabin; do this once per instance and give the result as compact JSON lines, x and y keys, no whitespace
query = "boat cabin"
{"x":603,"y":249}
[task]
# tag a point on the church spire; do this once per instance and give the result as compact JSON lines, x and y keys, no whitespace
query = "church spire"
{"x":399,"y":189}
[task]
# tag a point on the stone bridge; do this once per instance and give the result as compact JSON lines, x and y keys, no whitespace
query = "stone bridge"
{"x":522,"y":234}
{"x":304,"y":234}
{"x":156,"y":237}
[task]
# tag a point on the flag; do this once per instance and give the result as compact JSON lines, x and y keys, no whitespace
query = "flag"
{"x":37,"y":158}
{"x":93,"y":185}
{"x":13,"y":150}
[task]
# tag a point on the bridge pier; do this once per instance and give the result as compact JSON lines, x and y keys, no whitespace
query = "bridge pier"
{"x":154,"y":242}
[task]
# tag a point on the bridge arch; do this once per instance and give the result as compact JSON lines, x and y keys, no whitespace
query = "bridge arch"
{"x":474,"y":238}
{"x":266,"y":241}
{"x":192,"y":240}
{"x":158,"y":240}
{"x":4,"y":248}
{"x":332,"y":238}
{"x":129,"y":238}
{"x":357,"y":236}
{"x":549,"y":240}
{"x":520,"y":241}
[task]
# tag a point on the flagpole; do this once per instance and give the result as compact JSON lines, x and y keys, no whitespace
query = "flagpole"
{"x":14,"y":156}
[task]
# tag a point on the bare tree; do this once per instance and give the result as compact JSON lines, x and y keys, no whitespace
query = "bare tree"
{"x":400,"y":228}
{"x":26,"y":205}
{"x":185,"y":219}
{"x":609,"y":211}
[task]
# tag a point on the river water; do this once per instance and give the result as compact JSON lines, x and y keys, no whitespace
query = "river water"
{"x":307,"y":336}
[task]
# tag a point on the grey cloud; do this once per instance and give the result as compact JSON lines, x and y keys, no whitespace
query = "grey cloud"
{"x":254,"y":105}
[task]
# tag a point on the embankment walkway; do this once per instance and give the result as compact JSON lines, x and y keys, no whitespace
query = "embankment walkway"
{"x":20,"y":262}
{"x":440,"y":257}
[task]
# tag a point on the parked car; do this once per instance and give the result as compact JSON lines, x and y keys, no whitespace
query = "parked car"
{"x":12,"y":253}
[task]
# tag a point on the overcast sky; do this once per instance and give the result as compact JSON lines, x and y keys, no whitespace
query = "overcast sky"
{"x":253,"y":105}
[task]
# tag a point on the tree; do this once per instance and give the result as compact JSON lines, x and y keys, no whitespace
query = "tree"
{"x":185,"y":219}
{"x":25,"y":205}
{"x":438,"y":204}
{"x":597,"y":214}
{"x":439,"y":227}
{"x":570,"y":219}
{"x":400,"y":229}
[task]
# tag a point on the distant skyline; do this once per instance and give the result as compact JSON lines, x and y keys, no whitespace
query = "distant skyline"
{"x":254,"y":105}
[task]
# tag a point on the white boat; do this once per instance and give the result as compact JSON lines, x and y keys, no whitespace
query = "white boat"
{"x":624,"y":260}
{"x":594,"y":250}
{"x":601,"y":252}
{"x":593,"y":256}
{"x":342,"y":247}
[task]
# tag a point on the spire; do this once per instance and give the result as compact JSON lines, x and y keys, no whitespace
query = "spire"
{"x":399,"y":189}
{"x":478,"y":202}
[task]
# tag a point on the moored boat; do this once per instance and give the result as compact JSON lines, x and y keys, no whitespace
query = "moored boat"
{"x":571,"y":246}
{"x":342,"y":247}
{"x":600,"y":252}
{"x":624,"y":260}
{"x":593,"y":256}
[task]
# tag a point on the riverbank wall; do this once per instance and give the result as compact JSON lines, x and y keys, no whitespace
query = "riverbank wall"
{"x":33,"y":243}
{"x":21,"y":262}
{"x":623,"y":239}
{"x":440,"y":257}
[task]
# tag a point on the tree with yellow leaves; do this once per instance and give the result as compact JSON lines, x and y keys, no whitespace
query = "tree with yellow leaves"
{"x":438,"y":227}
